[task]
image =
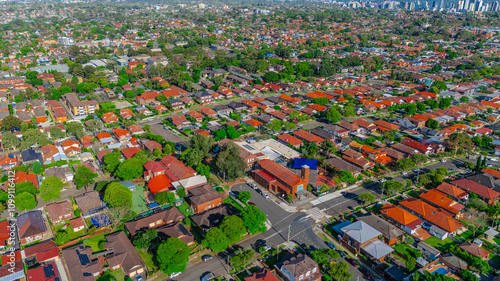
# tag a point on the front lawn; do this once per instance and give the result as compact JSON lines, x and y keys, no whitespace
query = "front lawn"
{"x":96,"y":243}
{"x":147,"y":258}
{"x":441,"y":245}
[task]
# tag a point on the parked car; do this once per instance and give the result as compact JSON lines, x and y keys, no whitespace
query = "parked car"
{"x":382,"y":180}
{"x":443,"y":160}
{"x":353,"y":262}
{"x":233,"y":193}
{"x":342,"y":254}
{"x":259,"y":191}
{"x":251,"y":203}
{"x":139,"y":277}
{"x":207,"y":258}
{"x":207,"y":276}
{"x":253,"y":185}
{"x":330,"y":244}
{"x":366,"y":273}
{"x":404,"y":173}
{"x":265,"y":195}
{"x":259,"y":243}
{"x":173,"y":275}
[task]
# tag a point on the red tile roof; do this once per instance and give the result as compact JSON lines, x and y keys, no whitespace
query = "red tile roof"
{"x":438,"y":217}
{"x":479,"y":189}
{"x":130,"y":152}
{"x":160,"y":183}
{"x":398,"y":214}
{"x":279,"y":172}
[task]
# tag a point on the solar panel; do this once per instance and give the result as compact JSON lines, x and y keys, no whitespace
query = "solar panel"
{"x":57,"y":279}
{"x":47,"y":272}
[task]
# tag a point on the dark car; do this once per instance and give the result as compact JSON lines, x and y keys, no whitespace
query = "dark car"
{"x":259,"y":243}
{"x":207,"y":276}
{"x":353,"y":262}
{"x":259,"y":191}
{"x":366,"y":273}
{"x":207,"y":258}
{"x":251,"y":203}
{"x":330,"y":244}
{"x":341,"y":253}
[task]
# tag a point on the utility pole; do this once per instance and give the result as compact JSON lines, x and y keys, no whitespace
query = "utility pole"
{"x":288,"y":240}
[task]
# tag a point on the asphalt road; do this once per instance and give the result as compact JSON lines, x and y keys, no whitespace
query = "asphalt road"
{"x":297,"y":226}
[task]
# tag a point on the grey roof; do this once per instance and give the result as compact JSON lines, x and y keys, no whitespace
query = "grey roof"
{"x":388,"y":230}
{"x":31,"y":224}
{"x":377,"y":249}
{"x":491,"y":232}
{"x":339,"y":226}
{"x":454,"y":260}
{"x":361,"y":231}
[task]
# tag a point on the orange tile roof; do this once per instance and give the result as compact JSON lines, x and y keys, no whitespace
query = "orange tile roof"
{"x":398,"y":214}
{"x":290,"y":139}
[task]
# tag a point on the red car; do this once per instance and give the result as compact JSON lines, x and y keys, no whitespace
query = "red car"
{"x":251,"y":203}
{"x":353,"y":262}
{"x":366,"y":273}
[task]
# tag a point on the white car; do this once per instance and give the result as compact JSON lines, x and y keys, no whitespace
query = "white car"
{"x":265,"y":195}
{"x":404,"y":173}
{"x":443,"y":160}
{"x":173,"y":275}
{"x":383,"y":180}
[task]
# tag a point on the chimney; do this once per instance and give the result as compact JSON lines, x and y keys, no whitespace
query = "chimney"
{"x":304,"y":174}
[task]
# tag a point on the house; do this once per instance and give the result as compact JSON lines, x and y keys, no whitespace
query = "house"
{"x":277,"y":178}
{"x":122,"y":254}
{"x":151,"y":145}
{"x":130,"y":152}
{"x":52,"y":153}
{"x":453,"y":262}
{"x":135,"y":130}
{"x":208,"y":112}
{"x":45,"y":272}
{"x":213,"y":217}
{"x":89,"y":203}
{"x":204,"y":198}
{"x":12,"y":271}
{"x":176,"y":170}
{"x":391,"y":233}
{"x":453,"y":191}
{"x":340,"y":164}
{"x":308,"y":137}
{"x":176,"y":104}
{"x":105,"y":138}
{"x":77,"y":224}
{"x":80,"y":265}
{"x":180,"y":121}
{"x":407,"y":221}
{"x":31,"y":227}
{"x":203,"y":97}
{"x":146,"y":98}
{"x":109,"y":118}
{"x":247,"y":156}
{"x":126,"y":113}
{"x":177,"y":230}
{"x":155,"y":220}
{"x":30,"y":155}
{"x":442,"y":224}
{"x":59,"y":212}
{"x":263,"y":275}
{"x":290,"y":140}
{"x":39,"y":115}
{"x":359,"y":237}
{"x":121,"y":134}
{"x":440,"y":200}
{"x":5,"y":234}
{"x":71,"y":147}
{"x":299,"y":267}
{"x":8,"y":161}
{"x":474,"y":250}
{"x":195,"y":115}
{"x":160,"y":183}
{"x":487,"y":194}
{"x":428,"y":251}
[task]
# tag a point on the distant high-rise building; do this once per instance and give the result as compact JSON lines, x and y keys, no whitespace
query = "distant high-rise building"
{"x":461,"y":5}
{"x":466,"y":5}
{"x":441,"y":5}
{"x":479,"y":6}
{"x":495,"y":6}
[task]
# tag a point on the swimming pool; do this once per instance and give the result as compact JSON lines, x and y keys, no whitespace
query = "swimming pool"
{"x":441,"y":270}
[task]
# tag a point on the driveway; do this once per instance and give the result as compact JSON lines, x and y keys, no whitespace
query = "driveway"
{"x":168,"y":135}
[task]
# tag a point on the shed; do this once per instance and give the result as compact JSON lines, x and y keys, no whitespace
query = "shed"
{"x":129,"y":184}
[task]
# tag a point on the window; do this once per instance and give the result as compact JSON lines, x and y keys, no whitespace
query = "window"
{"x":308,"y":273}
{"x":301,"y":277}
{"x":314,"y":269}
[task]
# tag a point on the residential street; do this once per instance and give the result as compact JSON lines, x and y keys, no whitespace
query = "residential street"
{"x":299,"y":224}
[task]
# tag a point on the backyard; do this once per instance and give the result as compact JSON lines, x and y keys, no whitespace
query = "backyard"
{"x":441,"y":245}
{"x":96,"y":243}
{"x":138,"y":203}
{"x":184,"y":209}
{"x":114,"y":275}
{"x":71,"y":234}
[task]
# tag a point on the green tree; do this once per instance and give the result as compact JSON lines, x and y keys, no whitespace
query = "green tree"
{"x":144,"y":239}
{"x":254,"y":219}
{"x":118,"y":195}
{"x":367,"y":197}
{"x":324,"y":256}
{"x":181,"y":192}
{"x":50,"y":188}
{"x":431,"y":123}
{"x":244,"y":196}
{"x":271,"y":76}
{"x":10,"y":141}
{"x":130,"y":169}
{"x":203,"y":170}
{"x":84,"y":176}
{"x":37,"y":167}
{"x":230,"y":163}
{"x":172,"y":255}
{"x":56,"y":133}
{"x":232,"y":133}
{"x":233,"y":227}
{"x":333,"y":115}
{"x":340,"y":271}
{"x":25,"y":201}
{"x":111,"y":161}
{"x":75,"y":129}
{"x":418,"y":158}
{"x":10,"y":122}
{"x":165,"y":197}
{"x":410,"y":263}
{"x":215,"y":239}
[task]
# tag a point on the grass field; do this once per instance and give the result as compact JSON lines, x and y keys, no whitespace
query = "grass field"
{"x":184,"y":209}
{"x":441,"y":245}
{"x":71,"y":234}
{"x":138,"y":203}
